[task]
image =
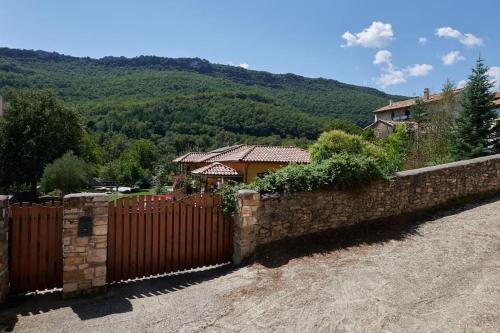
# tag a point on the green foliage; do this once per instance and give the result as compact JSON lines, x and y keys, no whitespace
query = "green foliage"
{"x":125,"y":170}
{"x":338,"y":142}
{"x":66,"y":174}
{"x":396,"y":147}
{"x":418,"y":111}
{"x":35,"y":130}
{"x":475,"y":133}
{"x":340,"y":170}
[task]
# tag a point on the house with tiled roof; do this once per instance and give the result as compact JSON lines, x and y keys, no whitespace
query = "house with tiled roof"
{"x":387,"y":117}
{"x":238,"y":162}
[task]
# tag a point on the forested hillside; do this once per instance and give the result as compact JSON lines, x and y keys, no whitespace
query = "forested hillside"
{"x":187,"y":103}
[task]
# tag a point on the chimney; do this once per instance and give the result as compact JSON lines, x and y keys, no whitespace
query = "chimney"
{"x":1,"y":106}
{"x":426,"y":93}
{"x":390,"y":102}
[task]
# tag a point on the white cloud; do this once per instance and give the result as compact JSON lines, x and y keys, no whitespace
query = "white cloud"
{"x":452,"y":58}
{"x":494,"y":73}
{"x":422,"y":41}
{"x":419,"y":70}
{"x":390,"y":78}
{"x":392,"y":75}
{"x":468,"y":40}
{"x":461,"y":84}
{"x":382,"y":57}
{"x":242,"y":65}
{"x":377,"y":35}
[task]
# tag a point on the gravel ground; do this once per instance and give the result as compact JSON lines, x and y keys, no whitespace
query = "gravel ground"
{"x":439,"y":274}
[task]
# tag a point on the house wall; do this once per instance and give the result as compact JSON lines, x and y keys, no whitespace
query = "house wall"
{"x":261,"y":219}
{"x":387,"y":115}
{"x":381,"y":130}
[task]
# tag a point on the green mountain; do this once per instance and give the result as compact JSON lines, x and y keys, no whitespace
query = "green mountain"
{"x":188,"y":103}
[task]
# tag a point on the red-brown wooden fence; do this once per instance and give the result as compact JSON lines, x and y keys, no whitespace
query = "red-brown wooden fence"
{"x":149,"y":236}
{"x":35,"y":247}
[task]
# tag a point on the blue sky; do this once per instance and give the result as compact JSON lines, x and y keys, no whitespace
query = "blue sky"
{"x":302,"y":37}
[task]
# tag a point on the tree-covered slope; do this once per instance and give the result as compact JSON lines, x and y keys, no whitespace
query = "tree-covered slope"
{"x":188,"y":103}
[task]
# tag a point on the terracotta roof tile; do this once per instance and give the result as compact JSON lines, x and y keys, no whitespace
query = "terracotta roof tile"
{"x":409,"y":102}
{"x":215,"y":169}
{"x":249,"y":153}
{"x":194,"y":157}
{"x":277,"y":154}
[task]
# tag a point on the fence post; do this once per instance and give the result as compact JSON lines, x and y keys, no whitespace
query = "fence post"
{"x":85,"y":240}
{"x":245,"y":225}
{"x":4,"y":247}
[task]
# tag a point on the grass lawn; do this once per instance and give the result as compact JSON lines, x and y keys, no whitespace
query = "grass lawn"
{"x":149,"y":191}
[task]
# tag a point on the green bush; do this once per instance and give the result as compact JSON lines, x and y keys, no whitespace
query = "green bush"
{"x":340,"y":170}
{"x":66,"y":174}
{"x":339,"y":142}
{"x":396,"y":147}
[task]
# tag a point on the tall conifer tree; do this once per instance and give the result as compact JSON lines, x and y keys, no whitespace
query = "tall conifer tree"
{"x":474,"y":133}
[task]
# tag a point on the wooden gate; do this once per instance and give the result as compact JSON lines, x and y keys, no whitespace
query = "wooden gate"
{"x":35,"y":247}
{"x":148,"y":235}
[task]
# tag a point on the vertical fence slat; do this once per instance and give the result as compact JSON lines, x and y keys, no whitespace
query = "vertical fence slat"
{"x":25,"y":252}
{"x":214,"y":235}
{"x":33,"y":262}
{"x":202,"y":249}
{"x":59,"y":254}
{"x":208,"y":235}
{"x":196,"y":236}
{"x":175,"y":234}
{"x":162,"y":237}
{"x":189,"y":236}
{"x":182,"y":239}
{"x":133,"y":236}
{"x":43,"y":264}
{"x":148,"y":243}
{"x":220,"y":235}
{"x":126,"y":239}
{"x":169,"y":237}
{"x":155,"y":237}
{"x":140,"y":238}
{"x":52,"y":253}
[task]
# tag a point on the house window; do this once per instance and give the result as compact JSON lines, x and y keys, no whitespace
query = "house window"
{"x":392,"y":115}
{"x":407,"y":114}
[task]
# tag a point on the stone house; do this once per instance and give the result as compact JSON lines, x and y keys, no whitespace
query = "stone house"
{"x":387,"y":117}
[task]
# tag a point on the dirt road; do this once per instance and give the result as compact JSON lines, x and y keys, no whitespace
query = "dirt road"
{"x":441,"y":275}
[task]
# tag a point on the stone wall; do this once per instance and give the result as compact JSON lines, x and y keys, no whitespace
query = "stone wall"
{"x":84,"y":258}
{"x":274,"y":217}
{"x":4,"y":247}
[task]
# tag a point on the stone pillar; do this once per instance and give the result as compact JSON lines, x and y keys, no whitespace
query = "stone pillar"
{"x":245,"y":229}
{"x":4,"y":247}
{"x":85,"y":248}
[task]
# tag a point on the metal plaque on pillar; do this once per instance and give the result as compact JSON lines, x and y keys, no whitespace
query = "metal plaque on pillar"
{"x":85,"y":224}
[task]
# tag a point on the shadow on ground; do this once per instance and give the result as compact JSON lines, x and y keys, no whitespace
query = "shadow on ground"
{"x":281,"y":252}
{"x":116,"y":300}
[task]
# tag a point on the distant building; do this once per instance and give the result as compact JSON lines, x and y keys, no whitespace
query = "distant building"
{"x":387,"y":117}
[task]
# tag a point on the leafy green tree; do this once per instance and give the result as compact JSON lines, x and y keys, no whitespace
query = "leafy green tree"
{"x":475,"y":131}
{"x":145,"y":152}
{"x":35,"y":130}
{"x":124,"y":170}
{"x":66,"y":174}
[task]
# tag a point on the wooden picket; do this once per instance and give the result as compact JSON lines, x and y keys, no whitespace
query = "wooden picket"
{"x":148,"y":235}
{"x":35,"y":247}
